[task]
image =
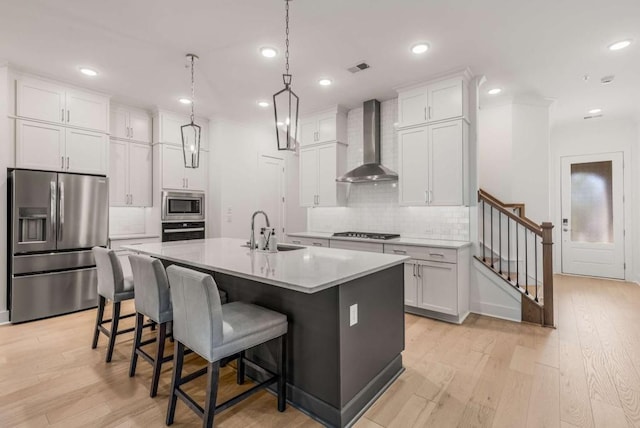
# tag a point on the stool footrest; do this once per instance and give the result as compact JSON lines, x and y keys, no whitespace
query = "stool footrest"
{"x":230,"y":402}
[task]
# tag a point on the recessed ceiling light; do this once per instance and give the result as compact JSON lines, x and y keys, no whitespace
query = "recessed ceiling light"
{"x":268,"y":52}
{"x":263,"y":104}
{"x":619,"y":45}
{"x":494,"y":91}
{"x":185,"y":100}
{"x":595,"y":111}
{"x":419,"y":48}
{"x":325,"y":82}
{"x":88,"y":71}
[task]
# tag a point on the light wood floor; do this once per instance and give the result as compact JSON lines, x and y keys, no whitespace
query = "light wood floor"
{"x":487,"y":372}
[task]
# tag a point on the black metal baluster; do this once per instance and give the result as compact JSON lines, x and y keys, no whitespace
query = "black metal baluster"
{"x":517,"y":258}
{"x":484,"y":244}
{"x":500,"y":240}
{"x":508,"y":248}
{"x":535,"y":241}
{"x":526,"y":262}
{"x":491,"y":230}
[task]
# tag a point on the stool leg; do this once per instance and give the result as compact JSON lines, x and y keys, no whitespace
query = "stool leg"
{"x":240,"y":373}
{"x":282,"y":374}
{"x":157,"y":363}
{"x":213,"y":371}
{"x":178,"y":358}
{"x":99,"y":317}
{"x":115,"y":318}
{"x":136,"y":344}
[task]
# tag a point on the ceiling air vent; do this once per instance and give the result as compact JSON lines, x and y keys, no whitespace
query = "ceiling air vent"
{"x":607,"y":79}
{"x":359,"y":67}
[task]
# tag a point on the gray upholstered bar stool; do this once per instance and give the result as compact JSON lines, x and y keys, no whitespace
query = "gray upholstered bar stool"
{"x":153,"y":300}
{"x":112,"y":285}
{"x":216,"y":331}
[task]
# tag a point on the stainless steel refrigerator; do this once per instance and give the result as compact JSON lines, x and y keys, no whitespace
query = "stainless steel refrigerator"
{"x":54,"y":221}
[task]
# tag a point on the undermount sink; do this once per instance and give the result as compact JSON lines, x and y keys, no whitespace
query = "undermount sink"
{"x":282,"y":247}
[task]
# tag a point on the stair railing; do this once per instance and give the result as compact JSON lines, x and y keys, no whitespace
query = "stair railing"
{"x":528,"y":247}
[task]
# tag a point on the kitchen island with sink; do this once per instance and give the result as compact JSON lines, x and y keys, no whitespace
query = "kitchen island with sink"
{"x":345,"y":311}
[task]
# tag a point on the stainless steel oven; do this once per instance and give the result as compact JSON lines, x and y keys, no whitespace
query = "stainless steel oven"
{"x":182,"y":231}
{"x":183,"y":206}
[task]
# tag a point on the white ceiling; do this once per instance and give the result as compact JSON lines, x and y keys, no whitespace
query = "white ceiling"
{"x":533,"y":48}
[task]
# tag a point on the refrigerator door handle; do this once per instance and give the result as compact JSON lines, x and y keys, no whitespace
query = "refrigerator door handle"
{"x":52,"y":196}
{"x":61,"y":225}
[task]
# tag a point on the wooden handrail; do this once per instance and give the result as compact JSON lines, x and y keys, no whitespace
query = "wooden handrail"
{"x":506,"y":210}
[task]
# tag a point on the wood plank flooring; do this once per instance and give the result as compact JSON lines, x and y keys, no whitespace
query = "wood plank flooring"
{"x":484,"y":373}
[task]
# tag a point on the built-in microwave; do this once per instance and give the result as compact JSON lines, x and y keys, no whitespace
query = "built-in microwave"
{"x":182,"y":206}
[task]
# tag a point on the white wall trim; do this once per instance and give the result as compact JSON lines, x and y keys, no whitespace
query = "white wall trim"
{"x":4,"y":317}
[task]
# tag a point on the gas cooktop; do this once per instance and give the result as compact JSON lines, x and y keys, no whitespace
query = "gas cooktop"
{"x":367,"y":235}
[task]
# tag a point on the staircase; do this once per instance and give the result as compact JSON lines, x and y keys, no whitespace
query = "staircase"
{"x":520,"y":252}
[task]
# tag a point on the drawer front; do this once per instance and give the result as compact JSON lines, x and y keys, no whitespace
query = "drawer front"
{"x":310,"y":242}
{"x":446,"y":255}
{"x":372,"y":247}
{"x":117,"y":244}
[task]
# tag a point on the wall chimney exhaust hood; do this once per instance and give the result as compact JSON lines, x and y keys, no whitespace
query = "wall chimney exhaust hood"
{"x":371,"y":170}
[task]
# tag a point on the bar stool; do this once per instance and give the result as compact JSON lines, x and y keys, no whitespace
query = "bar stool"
{"x":216,"y":331}
{"x":153,"y":300}
{"x":112,"y":285}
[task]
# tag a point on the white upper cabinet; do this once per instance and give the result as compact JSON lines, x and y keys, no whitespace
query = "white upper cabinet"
{"x":56,"y":148}
{"x":167,"y":128}
{"x":433,"y":102}
{"x":325,"y":127}
{"x":319,"y":167}
{"x":45,"y":101}
{"x":130,"y":174}
{"x":432,"y":164}
{"x":174,"y":175}
{"x":86,"y":151}
{"x":130,"y":124}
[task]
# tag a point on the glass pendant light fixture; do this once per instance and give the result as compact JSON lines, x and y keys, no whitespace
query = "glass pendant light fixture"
{"x":191,"y":131}
{"x":285,"y":102}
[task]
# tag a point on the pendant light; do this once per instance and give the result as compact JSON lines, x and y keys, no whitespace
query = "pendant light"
{"x":191,"y":131}
{"x":285,"y":102}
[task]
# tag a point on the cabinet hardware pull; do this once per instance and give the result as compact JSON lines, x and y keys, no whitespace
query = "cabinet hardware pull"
{"x":429,"y":112}
{"x":62,"y":159}
{"x":130,"y":199}
{"x":436,"y":254}
{"x":187,"y":182}
{"x":68,"y":116}
{"x":67,"y":162}
{"x":414,"y":270}
{"x":295,"y":242}
{"x":131,"y":128}
{"x":62,"y":117}
{"x":419,"y":271}
{"x":425,"y":113}
{"x":426,"y":196}
{"x":400,"y":251}
{"x":317,"y":244}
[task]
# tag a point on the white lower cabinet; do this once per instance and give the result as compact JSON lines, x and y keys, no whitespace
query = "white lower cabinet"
{"x":130,"y":174}
{"x":436,"y":281}
{"x":56,"y":148}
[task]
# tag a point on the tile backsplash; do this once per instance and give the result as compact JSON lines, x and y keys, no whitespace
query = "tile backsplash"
{"x":126,"y":221}
{"x":374,"y":207}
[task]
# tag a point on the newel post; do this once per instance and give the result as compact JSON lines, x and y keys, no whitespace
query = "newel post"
{"x":547,"y":273}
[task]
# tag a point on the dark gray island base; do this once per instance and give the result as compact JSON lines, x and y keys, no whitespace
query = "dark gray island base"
{"x":335,"y":370}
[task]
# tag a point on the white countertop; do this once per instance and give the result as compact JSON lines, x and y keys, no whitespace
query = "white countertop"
{"x":308,"y":270}
{"x":133,"y":236}
{"x":421,"y":242}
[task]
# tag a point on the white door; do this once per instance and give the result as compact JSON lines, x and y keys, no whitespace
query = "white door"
{"x":39,"y":146}
{"x":140,"y":127}
{"x":118,"y":173}
{"x":40,"y":100}
{"x":87,"y":110}
{"x":327,"y":173}
{"x":414,"y":161}
{"x":439,"y":289}
{"x":119,"y":123}
{"x":172,"y":167}
{"x":410,"y":284}
{"x":445,"y":100}
{"x":445,"y":164}
{"x":308,"y":130}
{"x":592,"y":215}
{"x":308,"y":177}
{"x":270,"y":197}
{"x":86,"y":152}
{"x":412,"y":107}
{"x":196,"y":178}
{"x":140,"y":161}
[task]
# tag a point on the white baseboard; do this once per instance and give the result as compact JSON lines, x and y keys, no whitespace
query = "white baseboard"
{"x":4,"y":317}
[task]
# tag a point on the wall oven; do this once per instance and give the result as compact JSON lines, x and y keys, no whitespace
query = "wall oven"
{"x":183,"y":231}
{"x":183,"y":206}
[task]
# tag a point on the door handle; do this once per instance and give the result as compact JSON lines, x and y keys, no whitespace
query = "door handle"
{"x":52,"y":196}
{"x":61,"y":226}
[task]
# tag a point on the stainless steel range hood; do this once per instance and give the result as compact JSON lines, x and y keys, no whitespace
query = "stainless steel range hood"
{"x":371,"y":170}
